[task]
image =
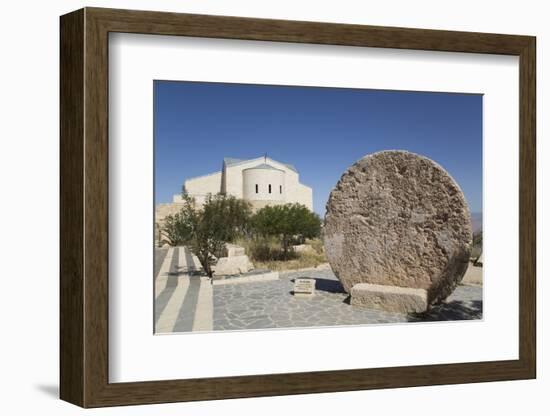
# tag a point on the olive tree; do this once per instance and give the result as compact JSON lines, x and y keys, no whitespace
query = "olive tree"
{"x":206,"y":229}
{"x":286,"y":222}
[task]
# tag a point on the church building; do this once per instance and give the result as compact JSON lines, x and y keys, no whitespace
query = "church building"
{"x":261,"y":181}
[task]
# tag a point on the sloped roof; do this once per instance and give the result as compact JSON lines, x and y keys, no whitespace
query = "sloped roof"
{"x":264,"y":166}
{"x":291,"y":167}
{"x":230,"y":161}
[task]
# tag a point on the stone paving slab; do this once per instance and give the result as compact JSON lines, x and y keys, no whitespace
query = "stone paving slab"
{"x":247,"y":278}
{"x":271,"y":305}
{"x":188,"y":302}
{"x":183,"y":298}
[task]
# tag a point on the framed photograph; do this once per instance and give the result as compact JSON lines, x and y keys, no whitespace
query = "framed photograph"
{"x":254,"y":207}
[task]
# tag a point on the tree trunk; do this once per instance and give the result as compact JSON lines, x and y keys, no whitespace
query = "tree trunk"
{"x":206,"y":264}
{"x":208,"y":268}
{"x":285,"y":247}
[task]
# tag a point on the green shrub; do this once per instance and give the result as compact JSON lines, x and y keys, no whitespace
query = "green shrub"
{"x":205,"y":230}
{"x":176,"y":229}
{"x":288,"y":223}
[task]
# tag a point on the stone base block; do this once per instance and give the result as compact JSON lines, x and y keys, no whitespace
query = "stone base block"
{"x":233,"y":250}
{"x":232,"y":265}
{"x":389,"y":298}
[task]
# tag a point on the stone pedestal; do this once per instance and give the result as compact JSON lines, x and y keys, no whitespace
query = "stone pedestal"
{"x":389,"y":298}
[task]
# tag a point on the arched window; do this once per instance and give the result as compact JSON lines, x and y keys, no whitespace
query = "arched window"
{"x":256,"y":188}
{"x":269,"y":188}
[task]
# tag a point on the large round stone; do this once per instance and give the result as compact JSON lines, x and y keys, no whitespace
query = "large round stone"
{"x":397,"y":218}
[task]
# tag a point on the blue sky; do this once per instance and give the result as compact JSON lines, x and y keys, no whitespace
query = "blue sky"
{"x":321,"y":131}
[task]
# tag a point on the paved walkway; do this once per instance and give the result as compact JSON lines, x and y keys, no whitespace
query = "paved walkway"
{"x":185,"y":301}
{"x":183,"y":298}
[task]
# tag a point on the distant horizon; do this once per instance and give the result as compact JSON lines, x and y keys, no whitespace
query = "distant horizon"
{"x":321,"y":131}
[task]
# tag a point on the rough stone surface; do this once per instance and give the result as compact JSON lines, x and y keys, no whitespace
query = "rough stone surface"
{"x":389,"y":298}
{"x":396,"y":218}
{"x":232,"y":250}
{"x":233,"y":265}
{"x":303,"y":248}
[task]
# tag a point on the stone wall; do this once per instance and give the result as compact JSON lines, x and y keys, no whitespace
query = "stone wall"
{"x":257,"y":205}
{"x":203,"y":185}
{"x":161,"y":212}
{"x":303,"y":195}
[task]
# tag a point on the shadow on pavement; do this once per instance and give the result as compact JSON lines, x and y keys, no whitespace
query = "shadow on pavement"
{"x":325,"y":285}
{"x":329,"y":285}
{"x":451,"y":311}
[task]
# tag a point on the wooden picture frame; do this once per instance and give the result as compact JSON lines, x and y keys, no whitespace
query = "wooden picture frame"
{"x":84,"y":207}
